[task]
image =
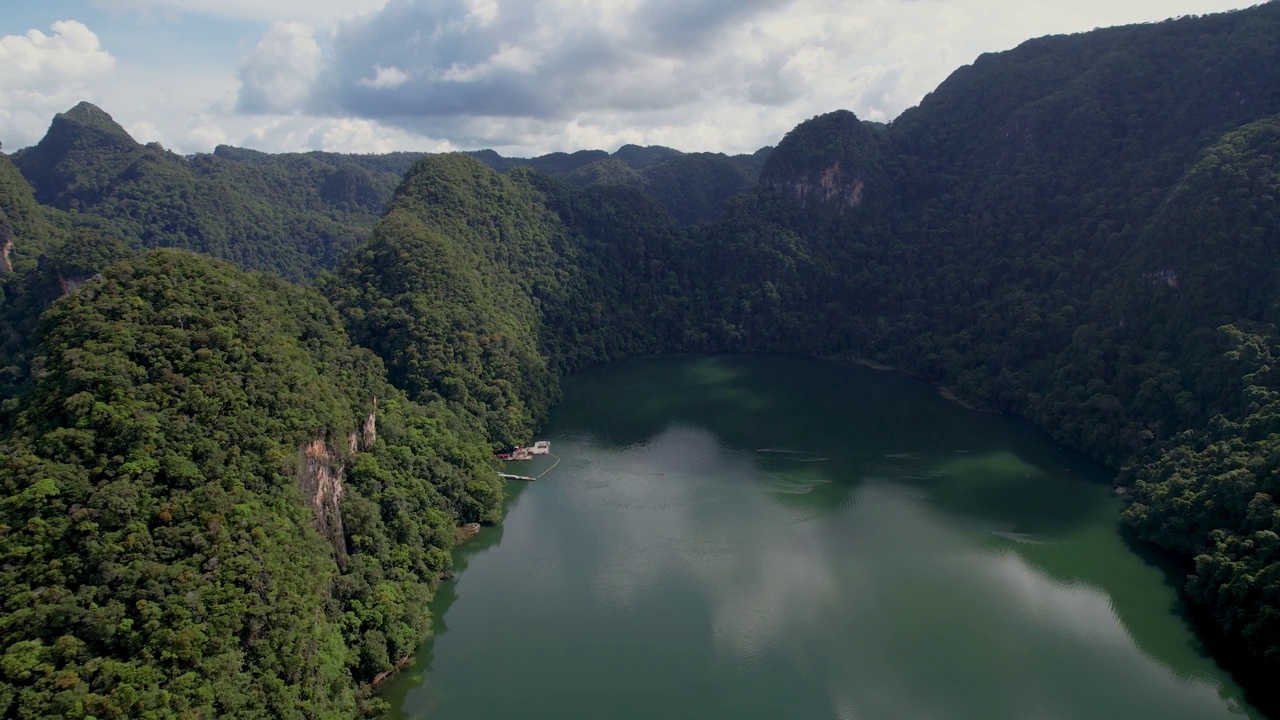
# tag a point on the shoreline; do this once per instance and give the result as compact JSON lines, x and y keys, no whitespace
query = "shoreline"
{"x":944,"y":391}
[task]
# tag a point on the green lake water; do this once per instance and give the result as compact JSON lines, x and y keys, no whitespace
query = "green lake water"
{"x":777,"y":537}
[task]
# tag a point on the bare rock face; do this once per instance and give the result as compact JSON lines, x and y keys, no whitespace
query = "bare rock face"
{"x":320,"y":479}
{"x":6,"y":244}
{"x":829,"y":184}
{"x":70,"y":283}
{"x":366,"y":437}
{"x":369,"y":432}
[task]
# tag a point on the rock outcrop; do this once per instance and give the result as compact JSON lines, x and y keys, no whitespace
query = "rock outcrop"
{"x":320,"y":479}
{"x":6,"y":245}
{"x":369,"y":432}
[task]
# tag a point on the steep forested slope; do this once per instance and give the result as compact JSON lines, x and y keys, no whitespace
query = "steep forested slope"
{"x":26,"y":233}
{"x":202,"y":518}
{"x":444,"y":293}
{"x":1082,"y":231}
{"x":1210,"y":493}
{"x":692,"y":187}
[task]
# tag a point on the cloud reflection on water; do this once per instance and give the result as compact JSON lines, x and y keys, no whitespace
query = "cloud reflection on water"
{"x":895,"y":608}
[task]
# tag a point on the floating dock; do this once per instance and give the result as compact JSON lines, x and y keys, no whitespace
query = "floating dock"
{"x":520,"y":454}
{"x":509,"y":476}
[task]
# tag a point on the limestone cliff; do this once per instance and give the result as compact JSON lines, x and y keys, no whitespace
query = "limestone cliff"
{"x":320,"y":478}
{"x":6,"y":245}
{"x":367,"y":436}
{"x":369,"y":432}
{"x":69,"y":283}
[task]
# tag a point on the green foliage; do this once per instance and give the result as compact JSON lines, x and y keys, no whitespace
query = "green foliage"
{"x":163,"y":534}
{"x":693,"y":187}
{"x":27,"y":232}
{"x":292,"y":214}
{"x":1211,"y":495}
{"x":445,"y":290}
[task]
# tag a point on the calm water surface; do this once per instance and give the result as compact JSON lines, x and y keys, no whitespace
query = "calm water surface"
{"x":769,"y":537}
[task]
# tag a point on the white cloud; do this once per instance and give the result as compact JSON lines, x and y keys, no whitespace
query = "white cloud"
{"x":204,"y":135}
{"x":71,"y":54}
{"x":483,"y":12}
{"x":45,"y":74}
{"x":349,"y":135}
{"x":313,"y":12}
{"x":297,"y":133}
{"x":146,"y":131}
{"x":385,"y":78}
{"x":278,"y":74}
{"x":509,"y":58}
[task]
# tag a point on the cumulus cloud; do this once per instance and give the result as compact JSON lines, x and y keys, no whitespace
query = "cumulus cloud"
{"x":385,"y":77}
{"x":298,"y":133}
{"x":34,"y":60}
{"x":44,"y":74}
{"x":204,"y":135}
{"x":277,"y":75}
{"x":350,"y":135}
{"x":534,"y":75}
{"x":529,"y":75}
{"x":314,"y":12}
{"x":546,"y":60}
{"x":146,"y":131}
{"x":522,"y":76}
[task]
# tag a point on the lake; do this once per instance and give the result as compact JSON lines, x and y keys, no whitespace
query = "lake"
{"x":772,"y":536}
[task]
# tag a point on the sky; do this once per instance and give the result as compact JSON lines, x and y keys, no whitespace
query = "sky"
{"x":524,"y":77}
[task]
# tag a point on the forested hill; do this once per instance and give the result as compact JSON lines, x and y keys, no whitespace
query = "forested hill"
{"x":215,"y":506}
{"x":296,"y":214}
{"x":268,"y":217}
{"x":1082,"y":231}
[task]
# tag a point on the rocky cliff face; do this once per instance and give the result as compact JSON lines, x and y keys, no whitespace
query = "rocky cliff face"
{"x":6,"y":245}
{"x":367,"y":436}
{"x":320,"y":479}
{"x":369,"y":432}
{"x":824,"y":185}
{"x":68,"y":284}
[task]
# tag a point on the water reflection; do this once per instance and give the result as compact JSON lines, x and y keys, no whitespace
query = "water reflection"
{"x":751,"y":543}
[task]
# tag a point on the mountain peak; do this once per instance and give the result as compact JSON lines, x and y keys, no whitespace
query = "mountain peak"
{"x":83,"y":141}
{"x":86,"y":115}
